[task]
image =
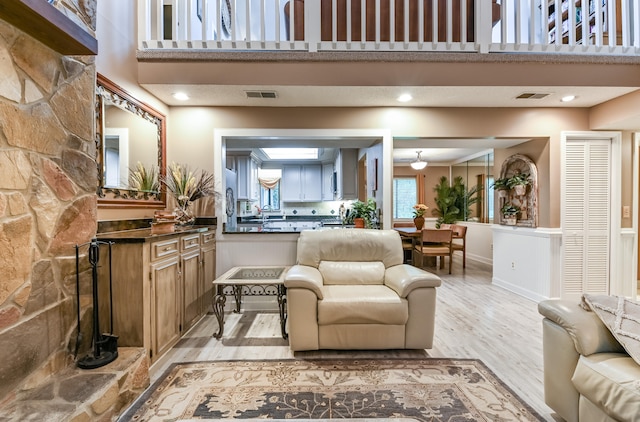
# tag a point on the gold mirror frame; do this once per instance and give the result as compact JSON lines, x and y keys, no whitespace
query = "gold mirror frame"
{"x":109,"y":197}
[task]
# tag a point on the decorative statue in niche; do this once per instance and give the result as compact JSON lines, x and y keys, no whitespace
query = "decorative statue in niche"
{"x":518,"y":191}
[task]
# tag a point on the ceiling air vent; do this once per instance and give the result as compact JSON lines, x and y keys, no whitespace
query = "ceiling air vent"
{"x":261,"y":94}
{"x":531,"y":96}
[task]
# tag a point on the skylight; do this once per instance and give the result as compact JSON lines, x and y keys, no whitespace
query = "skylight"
{"x":291,"y":153}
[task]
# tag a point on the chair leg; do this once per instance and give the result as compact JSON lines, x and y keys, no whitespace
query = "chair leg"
{"x":450,"y":260}
{"x":464,"y":258}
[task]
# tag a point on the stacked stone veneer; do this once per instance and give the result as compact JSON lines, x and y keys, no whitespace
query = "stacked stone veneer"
{"x":47,"y":200}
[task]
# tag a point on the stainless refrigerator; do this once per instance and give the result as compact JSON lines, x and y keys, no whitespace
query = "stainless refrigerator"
{"x":230,"y":199}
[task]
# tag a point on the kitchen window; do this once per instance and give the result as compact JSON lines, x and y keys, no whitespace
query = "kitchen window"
{"x":269,"y":188}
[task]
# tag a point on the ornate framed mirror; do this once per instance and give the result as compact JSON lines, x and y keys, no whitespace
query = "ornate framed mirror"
{"x":130,"y":136}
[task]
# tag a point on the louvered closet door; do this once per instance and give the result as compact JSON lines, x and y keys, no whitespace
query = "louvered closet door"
{"x":586,"y":217}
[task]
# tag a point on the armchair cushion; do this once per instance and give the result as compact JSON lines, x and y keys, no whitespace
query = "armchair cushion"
{"x":374,"y":304}
{"x":346,"y":272}
{"x":338,"y":245}
{"x":612,"y":382}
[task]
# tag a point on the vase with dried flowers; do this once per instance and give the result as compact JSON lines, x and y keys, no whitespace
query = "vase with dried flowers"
{"x":418,"y":215}
{"x":187,"y":186}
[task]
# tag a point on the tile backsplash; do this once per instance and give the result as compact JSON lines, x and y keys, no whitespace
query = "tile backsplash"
{"x":326,"y":208}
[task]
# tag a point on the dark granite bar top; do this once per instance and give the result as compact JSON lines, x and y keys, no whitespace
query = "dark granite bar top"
{"x":143,"y":235}
{"x":258,"y":229}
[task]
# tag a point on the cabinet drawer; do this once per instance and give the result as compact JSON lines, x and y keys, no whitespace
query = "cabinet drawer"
{"x":208,"y":237}
{"x":164,"y":248}
{"x":190,"y":242}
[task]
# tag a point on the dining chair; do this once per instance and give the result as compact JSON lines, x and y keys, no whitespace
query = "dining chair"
{"x":407,"y":241}
{"x":459,"y":240}
{"x":434,"y":242}
{"x":460,"y":233}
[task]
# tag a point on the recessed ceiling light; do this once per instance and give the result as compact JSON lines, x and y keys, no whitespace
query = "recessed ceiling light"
{"x":568,"y":98}
{"x":405,"y":98}
{"x":180,"y":96}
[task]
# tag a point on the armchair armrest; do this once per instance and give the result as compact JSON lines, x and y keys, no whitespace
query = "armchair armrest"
{"x":585,"y":328}
{"x":405,"y":278}
{"x":304,"y":277}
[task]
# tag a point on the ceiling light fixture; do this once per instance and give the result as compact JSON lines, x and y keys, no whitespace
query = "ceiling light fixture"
{"x":404,"y":98}
{"x":568,"y":98}
{"x":418,"y":164}
{"x":180,"y":96}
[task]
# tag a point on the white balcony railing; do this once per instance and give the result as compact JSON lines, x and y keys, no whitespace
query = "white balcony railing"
{"x":597,"y":27}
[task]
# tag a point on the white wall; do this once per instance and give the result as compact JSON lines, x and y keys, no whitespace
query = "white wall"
{"x":117,"y":44}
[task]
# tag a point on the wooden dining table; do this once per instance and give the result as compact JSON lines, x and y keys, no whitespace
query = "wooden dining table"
{"x":408,"y":231}
{"x":413,"y":232}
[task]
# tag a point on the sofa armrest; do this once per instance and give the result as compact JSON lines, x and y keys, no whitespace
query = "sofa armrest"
{"x":405,"y":278}
{"x":585,"y":328}
{"x":304,"y":277}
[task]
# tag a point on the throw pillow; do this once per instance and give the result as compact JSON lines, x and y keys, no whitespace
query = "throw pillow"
{"x":622,"y":318}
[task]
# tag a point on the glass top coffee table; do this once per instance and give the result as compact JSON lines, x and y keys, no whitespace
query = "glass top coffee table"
{"x":259,"y":280}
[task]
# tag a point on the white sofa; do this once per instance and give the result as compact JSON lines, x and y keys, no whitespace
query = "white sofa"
{"x":350,"y":290}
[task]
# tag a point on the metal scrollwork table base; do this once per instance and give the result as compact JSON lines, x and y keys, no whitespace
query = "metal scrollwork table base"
{"x":250,"y":281}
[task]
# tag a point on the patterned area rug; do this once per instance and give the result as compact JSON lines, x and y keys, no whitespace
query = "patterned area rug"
{"x":426,"y":389}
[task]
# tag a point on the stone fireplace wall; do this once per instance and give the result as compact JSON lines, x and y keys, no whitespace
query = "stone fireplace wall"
{"x":47,"y":199}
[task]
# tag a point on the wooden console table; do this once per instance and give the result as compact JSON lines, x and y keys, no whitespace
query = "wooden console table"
{"x":261,"y":280}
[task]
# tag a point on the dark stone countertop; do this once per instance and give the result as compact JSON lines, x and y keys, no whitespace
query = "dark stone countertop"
{"x":143,"y":235}
{"x":258,"y":229}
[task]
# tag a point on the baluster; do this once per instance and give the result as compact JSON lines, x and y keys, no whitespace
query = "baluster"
{"x":348,"y":38}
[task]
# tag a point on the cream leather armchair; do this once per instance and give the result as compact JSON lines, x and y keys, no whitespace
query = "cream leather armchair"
{"x":350,"y":290}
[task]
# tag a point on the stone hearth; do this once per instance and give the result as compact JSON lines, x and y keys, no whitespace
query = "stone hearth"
{"x":84,"y":395}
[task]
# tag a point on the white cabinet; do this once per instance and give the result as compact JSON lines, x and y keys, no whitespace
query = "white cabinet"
{"x":248,"y":185}
{"x":347,"y":174}
{"x":301,"y":183}
{"x":327,"y":182}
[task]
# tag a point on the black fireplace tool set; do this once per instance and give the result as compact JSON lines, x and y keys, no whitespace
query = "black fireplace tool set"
{"x":104,"y":346}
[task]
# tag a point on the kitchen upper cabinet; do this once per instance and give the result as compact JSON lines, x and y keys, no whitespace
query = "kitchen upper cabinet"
{"x":347,"y":174}
{"x":302,"y":183}
{"x":248,"y":185}
{"x":327,"y":182}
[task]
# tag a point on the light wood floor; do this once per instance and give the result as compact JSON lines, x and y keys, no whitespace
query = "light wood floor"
{"x":474,"y":319}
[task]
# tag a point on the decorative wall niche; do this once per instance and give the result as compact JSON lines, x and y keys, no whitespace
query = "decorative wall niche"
{"x":523,"y":197}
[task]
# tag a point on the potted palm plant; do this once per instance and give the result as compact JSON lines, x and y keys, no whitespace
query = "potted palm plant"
{"x":453,"y":201}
